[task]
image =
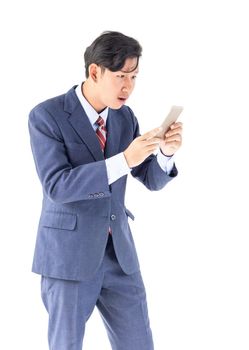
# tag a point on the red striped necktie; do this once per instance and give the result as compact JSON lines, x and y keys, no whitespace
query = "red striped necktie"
{"x":101,"y":132}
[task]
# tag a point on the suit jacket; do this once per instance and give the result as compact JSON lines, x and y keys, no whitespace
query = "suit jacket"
{"x":78,"y":204}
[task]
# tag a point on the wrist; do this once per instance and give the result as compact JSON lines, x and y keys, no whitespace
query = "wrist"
{"x":126,"y":159}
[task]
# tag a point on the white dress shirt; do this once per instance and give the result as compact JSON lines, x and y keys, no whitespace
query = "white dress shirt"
{"x":116,"y":165}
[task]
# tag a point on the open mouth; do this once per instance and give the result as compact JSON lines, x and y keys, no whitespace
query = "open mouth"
{"x":123,"y":99}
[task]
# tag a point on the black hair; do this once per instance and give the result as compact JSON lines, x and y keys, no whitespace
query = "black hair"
{"x":110,"y":50}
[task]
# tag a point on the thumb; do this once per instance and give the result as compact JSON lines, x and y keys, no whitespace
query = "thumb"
{"x":150,"y":134}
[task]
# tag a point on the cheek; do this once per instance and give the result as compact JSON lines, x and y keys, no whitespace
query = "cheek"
{"x":105,"y":89}
{"x":112,"y":89}
{"x":108,"y":94}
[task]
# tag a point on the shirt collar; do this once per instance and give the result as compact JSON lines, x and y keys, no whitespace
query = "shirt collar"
{"x":88,"y":108}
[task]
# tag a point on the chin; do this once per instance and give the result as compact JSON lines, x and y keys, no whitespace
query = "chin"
{"x":116,"y":105}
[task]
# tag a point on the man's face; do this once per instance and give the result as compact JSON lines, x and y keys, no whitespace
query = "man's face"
{"x":114,"y":88}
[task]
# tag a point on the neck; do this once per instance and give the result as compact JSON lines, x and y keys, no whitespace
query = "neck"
{"x":90,"y":93}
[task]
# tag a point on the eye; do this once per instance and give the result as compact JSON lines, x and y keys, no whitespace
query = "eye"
{"x":134,"y":77}
{"x":120,"y":76}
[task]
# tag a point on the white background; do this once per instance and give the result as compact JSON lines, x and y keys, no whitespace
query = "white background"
{"x":192,"y":237}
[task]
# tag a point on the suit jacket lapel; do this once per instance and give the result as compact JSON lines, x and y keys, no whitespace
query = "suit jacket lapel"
{"x":81,"y":124}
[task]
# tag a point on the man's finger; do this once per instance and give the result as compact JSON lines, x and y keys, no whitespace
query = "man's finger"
{"x":176,"y":125}
{"x":175,"y":137}
{"x":150,"y":134}
{"x":177,"y":131}
{"x":151,"y":141}
{"x":151,"y":150}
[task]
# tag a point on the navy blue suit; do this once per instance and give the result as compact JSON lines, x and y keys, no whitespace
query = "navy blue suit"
{"x":78,"y":204}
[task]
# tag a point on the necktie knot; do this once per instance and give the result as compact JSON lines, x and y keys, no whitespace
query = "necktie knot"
{"x":100,"y":121}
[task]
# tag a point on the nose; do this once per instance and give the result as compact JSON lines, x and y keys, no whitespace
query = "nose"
{"x":128,"y":85}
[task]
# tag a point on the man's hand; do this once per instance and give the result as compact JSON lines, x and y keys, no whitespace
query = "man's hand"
{"x":140,"y":148}
{"x":173,"y":140}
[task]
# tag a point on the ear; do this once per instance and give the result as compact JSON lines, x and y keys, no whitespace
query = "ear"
{"x":94,"y":71}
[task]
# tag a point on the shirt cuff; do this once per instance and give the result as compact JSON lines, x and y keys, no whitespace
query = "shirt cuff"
{"x":116,"y":167}
{"x":166,"y":163}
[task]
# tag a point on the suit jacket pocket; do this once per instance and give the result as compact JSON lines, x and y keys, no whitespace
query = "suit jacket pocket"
{"x":60,"y":220}
{"x":128,"y":213}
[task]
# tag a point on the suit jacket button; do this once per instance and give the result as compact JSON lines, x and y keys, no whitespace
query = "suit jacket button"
{"x":113,"y":217}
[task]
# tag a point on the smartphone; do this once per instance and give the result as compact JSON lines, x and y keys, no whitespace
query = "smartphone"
{"x":170,"y":119}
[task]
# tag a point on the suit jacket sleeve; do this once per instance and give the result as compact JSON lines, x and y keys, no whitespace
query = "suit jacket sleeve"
{"x":60,"y":181}
{"x":149,"y":172}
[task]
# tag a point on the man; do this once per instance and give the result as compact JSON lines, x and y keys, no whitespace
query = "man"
{"x":84,"y":144}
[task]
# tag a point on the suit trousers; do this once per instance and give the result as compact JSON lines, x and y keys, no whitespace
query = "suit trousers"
{"x":120,"y":299}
